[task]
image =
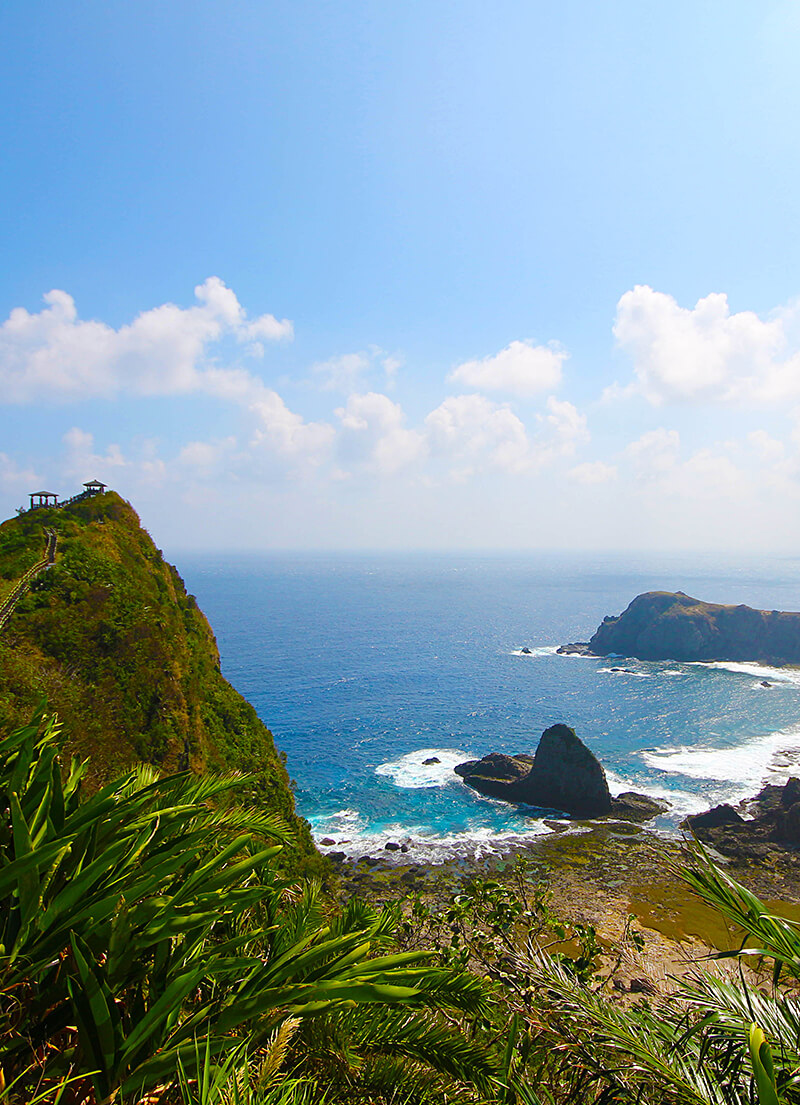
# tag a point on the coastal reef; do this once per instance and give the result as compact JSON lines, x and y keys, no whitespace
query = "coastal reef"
{"x":563,"y":775}
{"x":665,"y":625}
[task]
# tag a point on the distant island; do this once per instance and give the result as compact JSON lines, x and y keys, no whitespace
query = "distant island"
{"x":666,"y":625}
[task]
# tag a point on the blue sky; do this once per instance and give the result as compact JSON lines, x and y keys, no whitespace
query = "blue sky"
{"x":406,"y":275}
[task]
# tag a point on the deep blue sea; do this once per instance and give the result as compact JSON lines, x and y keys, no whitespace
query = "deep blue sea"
{"x":365,"y":665}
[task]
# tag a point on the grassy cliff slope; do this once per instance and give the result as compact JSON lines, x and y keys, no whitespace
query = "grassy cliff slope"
{"x":124,"y":656}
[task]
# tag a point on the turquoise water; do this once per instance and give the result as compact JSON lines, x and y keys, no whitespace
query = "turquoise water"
{"x":364,"y":666}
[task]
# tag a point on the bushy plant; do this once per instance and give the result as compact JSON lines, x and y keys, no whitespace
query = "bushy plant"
{"x":144,"y":927}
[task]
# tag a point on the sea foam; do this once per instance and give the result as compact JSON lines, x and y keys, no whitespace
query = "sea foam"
{"x":411,"y":772}
{"x":743,"y":768}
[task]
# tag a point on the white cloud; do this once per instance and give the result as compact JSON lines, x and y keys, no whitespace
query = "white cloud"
{"x":593,"y":472}
{"x":706,"y":353}
{"x":283,"y":431}
{"x":53,"y":355}
{"x":566,"y":426}
{"x":373,"y":430}
{"x":522,"y":368}
{"x":204,"y":457}
{"x":342,"y":373}
{"x":655,"y":458}
{"x":82,"y":458}
{"x":346,"y":373}
{"x":13,"y":477}
{"x":472,"y":430}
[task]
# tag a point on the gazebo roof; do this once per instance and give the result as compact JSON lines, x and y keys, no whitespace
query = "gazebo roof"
{"x":50,"y":494}
{"x":94,"y":483}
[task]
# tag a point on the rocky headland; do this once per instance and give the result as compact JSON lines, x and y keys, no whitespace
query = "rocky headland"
{"x":758,"y":828}
{"x":563,"y":775}
{"x":665,"y":625}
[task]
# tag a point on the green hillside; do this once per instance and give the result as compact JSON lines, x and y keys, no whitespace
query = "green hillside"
{"x":110,"y":637}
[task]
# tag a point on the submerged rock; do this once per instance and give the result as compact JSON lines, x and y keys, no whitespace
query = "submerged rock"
{"x":431,"y":760}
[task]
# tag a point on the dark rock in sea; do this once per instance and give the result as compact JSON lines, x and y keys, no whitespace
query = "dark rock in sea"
{"x":390,"y":846}
{"x":637,"y":807}
{"x":662,"y":625}
{"x":431,"y":760}
{"x":774,"y":824}
{"x":765,"y":683}
{"x":403,"y":847}
{"x":525,"y":651}
{"x":577,"y":648}
{"x":338,"y":857}
{"x":713,"y":818}
{"x":563,"y":775}
{"x":326,"y":842}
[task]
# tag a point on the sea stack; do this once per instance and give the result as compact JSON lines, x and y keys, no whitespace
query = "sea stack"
{"x":563,"y":775}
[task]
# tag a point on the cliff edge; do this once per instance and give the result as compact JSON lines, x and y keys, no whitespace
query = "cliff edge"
{"x":110,"y":638}
{"x":662,"y":625}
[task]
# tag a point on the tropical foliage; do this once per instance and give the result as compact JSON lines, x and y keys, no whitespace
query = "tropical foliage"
{"x":151,"y":951}
{"x":147,"y":943}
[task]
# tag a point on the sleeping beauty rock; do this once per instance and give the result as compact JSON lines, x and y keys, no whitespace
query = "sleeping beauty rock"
{"x":563,"y":775}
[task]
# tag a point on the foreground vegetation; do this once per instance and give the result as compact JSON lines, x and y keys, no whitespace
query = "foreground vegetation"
{"x":151,"y":951}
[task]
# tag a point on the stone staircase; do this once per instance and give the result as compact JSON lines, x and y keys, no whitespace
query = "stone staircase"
{"x":22,"y":585}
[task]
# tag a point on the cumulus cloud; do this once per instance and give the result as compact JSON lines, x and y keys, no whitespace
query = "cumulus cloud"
{"x":706,"y":353}
{"x":53,"y":355}
{"x":522,"y":368}
{"x":341,"y":373}
{"x":475,"y":432}
{"x":655,"y":458}
{"x":566,"y":427}
{"x":374,"y":431}
{"x":346,"y":373}
{"x":472,"y":430}
{"x":81,"y":456}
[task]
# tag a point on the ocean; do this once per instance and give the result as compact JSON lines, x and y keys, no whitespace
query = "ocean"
{"x":365,"y":665}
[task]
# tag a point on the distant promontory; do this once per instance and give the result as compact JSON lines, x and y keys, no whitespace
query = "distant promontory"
{"x":665,"y":625}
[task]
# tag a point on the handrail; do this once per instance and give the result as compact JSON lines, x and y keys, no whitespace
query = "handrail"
{"x":22,"y":585}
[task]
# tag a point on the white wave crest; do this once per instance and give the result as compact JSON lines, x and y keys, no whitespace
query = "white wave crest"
{"x":412,"y":772}
{"x":540,"y":650}
{"x":760,"y":671}
{"x":771,"y":758}
{"x":682,"y":802}
{"x":428,"y":848}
